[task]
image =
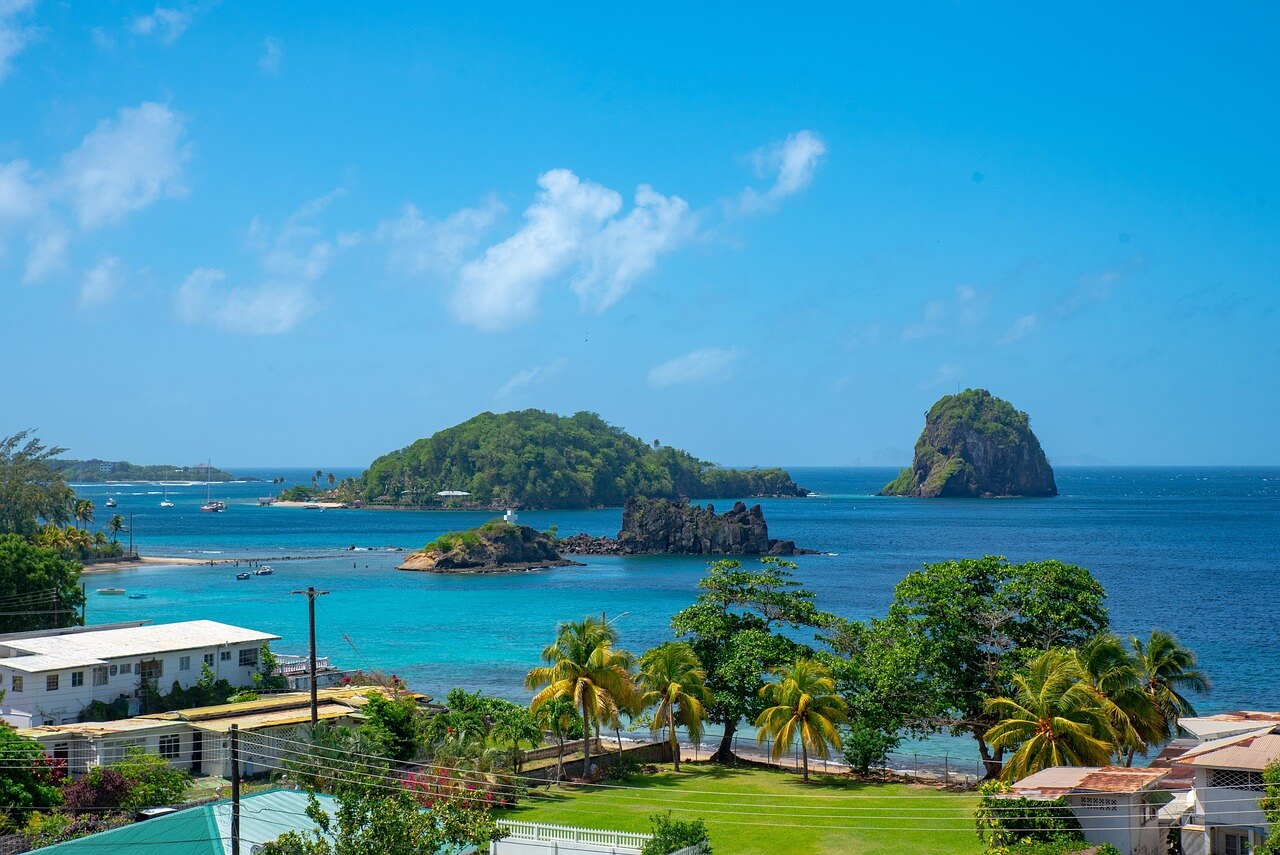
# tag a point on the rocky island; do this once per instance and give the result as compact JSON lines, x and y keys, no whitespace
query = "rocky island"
{"x":494,"y":547}
{"x":661,"y":526}
{"x":975,"y":445}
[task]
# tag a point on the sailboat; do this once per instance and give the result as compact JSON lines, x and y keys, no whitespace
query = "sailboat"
{"x":164,"y":502}
{"x":210,"y":505}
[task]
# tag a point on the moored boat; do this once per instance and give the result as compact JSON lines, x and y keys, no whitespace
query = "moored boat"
{"x":263,"y":571}
{"x":110,"y":591}
{"x":242,"y":576}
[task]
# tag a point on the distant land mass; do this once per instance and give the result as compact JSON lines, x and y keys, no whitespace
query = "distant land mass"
{"x":975,"y":445}
{"x":104,"y":471}
{"x":536,"y":459}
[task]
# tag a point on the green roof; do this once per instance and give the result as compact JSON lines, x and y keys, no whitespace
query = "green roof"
{"x":205,"y":830}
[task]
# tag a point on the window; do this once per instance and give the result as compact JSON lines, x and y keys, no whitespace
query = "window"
{"x":249,"y":657}
{"x":184,"y":663}
{"x":224,"y":656}
{"x":1236,"y":844}
{"x":51,"y":683}
{"x":17,"y":682}
{"x":208,"y":659}
{"x":115,"y":669}
{"x":100,"y":675}
{"x":1095,"y":803}
{"x":77,"y":678}
{"x":170,"y":747}
{"x":126,"y":668}
{"x":1236,"y":779}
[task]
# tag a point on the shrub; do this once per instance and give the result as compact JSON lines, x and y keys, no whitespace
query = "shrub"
{"x":1005,"y":822}
{"x":152,"y":781}
{"x":865,"y":747}
{"x":624,"y":768}
{"x":46,"y":829}
{"x":101,"y":788}
{"x":672,"y":835}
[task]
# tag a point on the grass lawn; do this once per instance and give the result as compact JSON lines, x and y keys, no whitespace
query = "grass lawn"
{"x":766,"y":811}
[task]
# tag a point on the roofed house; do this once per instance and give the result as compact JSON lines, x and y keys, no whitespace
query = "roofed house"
{"x":1114,"y":804}
{"x":50,"y":676}
{"x":1223,"y":816}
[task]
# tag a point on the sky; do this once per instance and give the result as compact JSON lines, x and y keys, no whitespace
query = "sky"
{"x":293,"y":234}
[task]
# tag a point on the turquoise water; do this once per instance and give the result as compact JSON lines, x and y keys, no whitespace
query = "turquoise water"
{"x":1194,"y":551}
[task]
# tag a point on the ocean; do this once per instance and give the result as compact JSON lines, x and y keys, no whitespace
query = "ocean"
{"x":1195,"y":551}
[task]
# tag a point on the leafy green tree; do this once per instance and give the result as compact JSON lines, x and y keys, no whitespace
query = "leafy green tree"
{"x":514,"y":729}
{"x":975,"y":622}
{"x":672,"y":835}
{"x":1270,"y":806}
{"x":804,"y":707}
{"x":388,"y":822}
{"x":1166,"y":671}
{"x":30,"y":488}
{"x":395,"y":725}
{"x":1054,"y":718}
{"x":736,"y":630}
{"x":583,"y":664}
{"x":671,"y":678}
{"x":50,"y":583}
{"x":152,"y":781}
{"x":28,"y":778}
{"x":1006,"y":821}
{"x":266,"y":679}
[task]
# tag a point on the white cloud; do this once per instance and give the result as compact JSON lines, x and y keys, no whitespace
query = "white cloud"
{"x":1097,"y":287}
{"x":13,"y":36}
{"x":101,"y":283}
{"x":269,"y":309}
{"x":945,"y":374}
{"x":272,"y":56}
{"x":628,"y":247}
{"x":20,"y":199}
{"x":534,"y":376}
{"x":126,"y":164}
{"x":940,"y":316}
{"x":48,"y":253}
{"x":165,"y":23}
{"x":418,"y":245}
{"x":1021,"y":328}
{"x":501,"y":288}
{"x":791,"y":163}
{"x":708,"y":365}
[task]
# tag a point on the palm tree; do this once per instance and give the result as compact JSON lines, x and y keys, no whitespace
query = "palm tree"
{"x":116,"y":525}
{"x":1112,"y":671}
{"x":558,"y":716}
{"x":582,"y":664}
{"x":1055,"y":718}
{"x":83,"y":512}
{"x":332,"y":479}
{"x":1165,"y":671}
{"x":671,"y":677}
{"x":804,"y":704}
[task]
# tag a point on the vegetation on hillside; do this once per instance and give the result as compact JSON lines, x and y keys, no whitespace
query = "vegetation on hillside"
{"x":101,"y":471}
{"x":533,"y":458}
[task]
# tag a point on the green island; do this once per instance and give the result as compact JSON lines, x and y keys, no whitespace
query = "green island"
{"x":96,"y":471}
{"x":493,"y":547}
{"x":536,"y":459}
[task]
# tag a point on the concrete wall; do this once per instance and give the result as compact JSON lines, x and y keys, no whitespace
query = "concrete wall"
{"x":651,"y":752}
{"x":1226,"y":806}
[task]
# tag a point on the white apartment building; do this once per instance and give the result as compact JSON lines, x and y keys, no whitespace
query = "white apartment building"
{"x":1222,"y":814}
{"x":49,"y":677}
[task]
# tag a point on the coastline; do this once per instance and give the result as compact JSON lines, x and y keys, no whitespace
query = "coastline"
{"x":161,"y":561}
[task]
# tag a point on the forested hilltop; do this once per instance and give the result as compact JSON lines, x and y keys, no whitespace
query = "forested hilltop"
{"x":536,"y":459}
{"x":102,"y":471}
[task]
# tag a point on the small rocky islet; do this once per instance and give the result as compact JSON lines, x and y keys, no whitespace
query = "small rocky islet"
{"x":975,"y":445}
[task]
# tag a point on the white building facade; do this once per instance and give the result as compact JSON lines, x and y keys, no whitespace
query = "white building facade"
{"x":1223,"y":816}
{"x":1114,"y":804}
{"x":49,"y":677}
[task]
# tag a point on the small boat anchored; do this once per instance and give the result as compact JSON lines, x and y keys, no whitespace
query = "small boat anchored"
{"x":164,"y":501}
{"x":242,"y":576}
{"x":111,"y":591}
{"x":263,"y":571}
{"x":137,"y":596}
{"x":111,"y":501}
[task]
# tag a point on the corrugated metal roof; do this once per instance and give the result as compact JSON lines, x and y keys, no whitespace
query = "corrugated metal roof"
{"x":1227,"y":724}
{"x":1251,"y":752}
{"x":276,"y":718}
{"x":83,"y":649}
{"x":1067,"y":780}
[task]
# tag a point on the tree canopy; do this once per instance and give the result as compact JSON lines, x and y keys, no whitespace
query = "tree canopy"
{"x":533,"y":458}
{"x":31,"y":489}
{"x":41,"y":588}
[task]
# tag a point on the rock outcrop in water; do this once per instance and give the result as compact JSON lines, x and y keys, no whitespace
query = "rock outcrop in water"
{"x":975,"y":445}
{"x":493,"y":547}
{"x":661,"y":526}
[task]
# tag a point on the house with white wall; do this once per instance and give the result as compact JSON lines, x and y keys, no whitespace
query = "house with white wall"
{"x":50,"y":676}
{"x":1223,"y":816}
{"x":1114,"y":804}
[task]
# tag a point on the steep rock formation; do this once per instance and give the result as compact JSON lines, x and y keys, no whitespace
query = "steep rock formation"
{"x":493,"y":547}
{"x":660,"y":526}
{"x":975,"y":445}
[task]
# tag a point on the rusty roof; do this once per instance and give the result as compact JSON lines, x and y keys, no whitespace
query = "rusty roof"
{"x":1070,"y":780}
{"x":1250,"y":752}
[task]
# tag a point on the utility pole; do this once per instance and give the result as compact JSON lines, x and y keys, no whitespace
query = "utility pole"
{"x":131,"y":533}
{"x":312,"y":593}
{"x":235,"y":789}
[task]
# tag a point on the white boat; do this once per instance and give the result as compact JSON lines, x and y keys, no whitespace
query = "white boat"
{"x":111,"y":501}
{"x":263,"y":571}
{"x":164,"y":502}
{"x":110,"y":591}
{"x":210,"y":505}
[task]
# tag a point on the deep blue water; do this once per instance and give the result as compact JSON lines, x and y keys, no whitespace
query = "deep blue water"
{"x":1193,"y":551}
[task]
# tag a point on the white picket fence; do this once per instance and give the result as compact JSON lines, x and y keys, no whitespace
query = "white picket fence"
{"x":537,"y":837}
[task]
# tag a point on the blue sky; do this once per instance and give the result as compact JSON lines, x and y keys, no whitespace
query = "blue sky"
{"x":292,"y":234}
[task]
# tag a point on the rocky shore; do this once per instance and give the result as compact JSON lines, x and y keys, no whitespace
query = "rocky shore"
{"x":495,"y":547}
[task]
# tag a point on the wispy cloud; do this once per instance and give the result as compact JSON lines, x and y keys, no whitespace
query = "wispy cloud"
{"x":1021,"y":328}
{"x":13,"y":36}
{"x":707,"y":365}
{"x":417,"y":245}
{"x":272,"y":56}
{"x":790,"y":164}
{"x":1098,"y":285}
{"x":101,"y":283}
{"x":47,"y":252}
{"x":528,"y":377}
{"x":945,"y":375}
{"x":939,"y":316}
{"x":166,"y":23}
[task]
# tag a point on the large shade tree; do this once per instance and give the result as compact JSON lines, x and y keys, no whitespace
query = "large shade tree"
{"x":584,"y":664}
{"x":803,"y":707}
{"x":31,"y":490}
{"x":973,"y":623}
{"x":1052,"y":718}
{"x":671,"y":679}
{"x":40,"y":587}
{"x":737,"y":630}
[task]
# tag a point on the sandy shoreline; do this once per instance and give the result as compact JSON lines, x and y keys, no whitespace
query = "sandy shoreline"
{"x":255,"y":561}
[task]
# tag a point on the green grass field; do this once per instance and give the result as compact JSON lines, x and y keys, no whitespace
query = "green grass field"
{"x":765,"y":811}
